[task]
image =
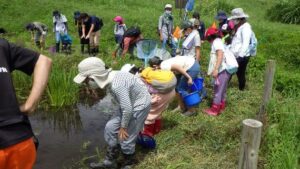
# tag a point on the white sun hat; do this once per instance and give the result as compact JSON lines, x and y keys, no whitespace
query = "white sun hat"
{"x":238,"y":13}
{"x":94,"y":68}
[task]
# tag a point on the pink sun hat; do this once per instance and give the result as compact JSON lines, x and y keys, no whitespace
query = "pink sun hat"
{"x":118,"y":19}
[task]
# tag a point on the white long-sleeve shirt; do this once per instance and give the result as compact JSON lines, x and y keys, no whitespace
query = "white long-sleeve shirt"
{"x":241,"y":41}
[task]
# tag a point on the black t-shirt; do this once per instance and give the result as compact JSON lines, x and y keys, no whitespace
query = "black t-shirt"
{"x":94,"y":20}
{"x":14,"y":125}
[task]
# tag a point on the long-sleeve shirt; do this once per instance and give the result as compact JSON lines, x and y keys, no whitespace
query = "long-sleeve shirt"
{"x":60,"y":23}
{"x":241,"y":41}
{"x":165,"y":25}
{"x":131,"y":93}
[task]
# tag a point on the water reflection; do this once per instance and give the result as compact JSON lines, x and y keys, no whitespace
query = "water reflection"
{"x":68,"y":135}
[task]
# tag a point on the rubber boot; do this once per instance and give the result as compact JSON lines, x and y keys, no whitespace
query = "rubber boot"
{"x":42,"y":45}
{"x":89,"y":49}
{"x":214,"y":110}
{"x":110,"y":160}
{"x":38,"y":44}
{"x":129,"y":161}
{"x":93,"y":51}
{"x":82,"y":48}
{"x":223,"y":105}
{"x":96,"y":50}
{"x":57,"y":47}
{"x":158,"y":126}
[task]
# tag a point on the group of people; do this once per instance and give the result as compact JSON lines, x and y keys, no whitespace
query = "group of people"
{"x":88,"y":30}
{"x":142,"y":93}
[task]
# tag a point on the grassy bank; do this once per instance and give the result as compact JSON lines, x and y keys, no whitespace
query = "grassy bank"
{"x":200,"y":141}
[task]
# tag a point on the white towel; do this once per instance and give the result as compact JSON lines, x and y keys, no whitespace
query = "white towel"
{"x":188,"y":42}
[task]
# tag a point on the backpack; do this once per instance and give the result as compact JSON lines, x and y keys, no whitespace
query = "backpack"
{"x":253,"y":45}
{"x":133,"y":31}
{"x":163,"y":81}
{"x":101,"y":23}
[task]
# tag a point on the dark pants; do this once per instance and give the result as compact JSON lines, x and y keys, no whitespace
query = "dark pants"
{"x":241,"y":73}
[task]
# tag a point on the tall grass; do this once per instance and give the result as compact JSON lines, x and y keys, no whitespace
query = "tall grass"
{"x":283,"y":135}
{"x":22,"y":83}
{"x":285,"y":12}
{"x":61,"y":90}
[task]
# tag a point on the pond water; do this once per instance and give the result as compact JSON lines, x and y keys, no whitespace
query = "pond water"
{"x":66,"y":136}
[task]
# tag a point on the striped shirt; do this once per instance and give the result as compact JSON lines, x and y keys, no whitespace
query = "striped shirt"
{"x":131,"y":93}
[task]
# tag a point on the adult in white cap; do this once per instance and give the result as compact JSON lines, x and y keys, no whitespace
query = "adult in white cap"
{"x":165,"y":29}
{"x":134,"y":99}
{"x":240,"y":43}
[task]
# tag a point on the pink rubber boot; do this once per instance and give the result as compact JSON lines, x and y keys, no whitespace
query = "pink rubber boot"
{"x":223,"y":105}
{"x":214,"y":110}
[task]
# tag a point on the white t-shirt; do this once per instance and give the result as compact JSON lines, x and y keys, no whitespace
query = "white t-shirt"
{"x":190,"y":43}
{"x":184,"y":62}
{"x":60,"y":26}
{"x":216,"y":45}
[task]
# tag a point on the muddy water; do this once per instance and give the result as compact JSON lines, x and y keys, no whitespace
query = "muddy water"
{"x":66,"y":136}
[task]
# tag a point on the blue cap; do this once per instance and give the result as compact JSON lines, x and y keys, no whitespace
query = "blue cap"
{"x":221,"y":15}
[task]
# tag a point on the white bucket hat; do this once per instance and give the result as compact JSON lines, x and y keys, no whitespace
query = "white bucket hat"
{"x":94,"y":68}
{"x":238,"y":13}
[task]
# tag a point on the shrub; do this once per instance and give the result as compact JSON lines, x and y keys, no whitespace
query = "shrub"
{"x":285,"y":12}
{"x":211,"y":8}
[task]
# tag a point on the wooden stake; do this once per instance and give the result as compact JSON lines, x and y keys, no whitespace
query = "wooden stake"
{"x":251,"y":136}
{"x":269,"y":77}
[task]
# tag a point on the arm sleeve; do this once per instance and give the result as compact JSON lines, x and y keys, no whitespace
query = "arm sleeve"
{"x":22,"y":59}
{"x":197,"y":40}
{"x":39,"y":27}
{"x":246,"y":35}
{"x":115,"y":29}
{"x":218,"y":45}
{"x":63,"y":18}
{"x":160,"y":23}
{"x":123,"y":96}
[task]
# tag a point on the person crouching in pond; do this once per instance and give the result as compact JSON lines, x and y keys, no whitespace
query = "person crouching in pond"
{"x":217,"y":70}
{"x":135,"y":101}
{"x":187,"y":69}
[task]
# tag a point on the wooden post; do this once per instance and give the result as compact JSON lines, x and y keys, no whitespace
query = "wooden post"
{"x":251,"y":136}
{"x":269,"y":76}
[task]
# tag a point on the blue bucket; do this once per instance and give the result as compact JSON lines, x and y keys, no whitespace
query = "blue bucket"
{"x":198,"y":84}
{"x":192,"y":99}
